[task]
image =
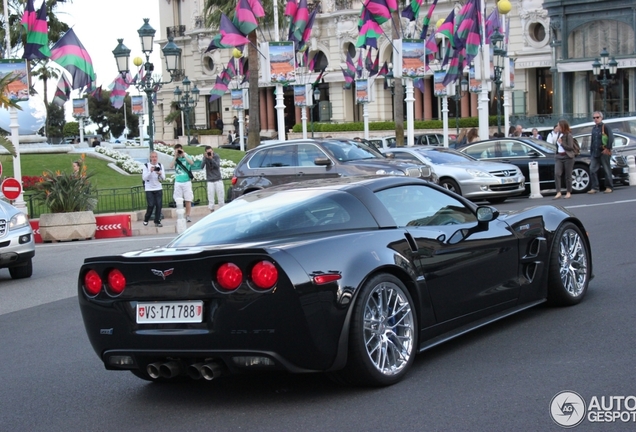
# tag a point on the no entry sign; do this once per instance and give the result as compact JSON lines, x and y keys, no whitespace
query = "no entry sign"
{"x":11,"y":188}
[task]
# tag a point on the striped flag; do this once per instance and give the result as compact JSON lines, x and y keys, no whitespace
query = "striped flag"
{"x":493,"y":23}
{"x":384,"y":70}
{"x":299,"y":22}
{"x":229,"y":36}
{"x":219,"y":89}
{"x":447,"y":29}
{"x":257,"y":8}
{"x":369,"y":31}
{"x":427,"y":20}
{"x":69,"y":53}
{"x":464,"y":23}
{"x":63,"y":91}
{"x":118,"y":90}
{"x":359,"y":66}
{"x":290,"y":8}
{"x":244,"y":18}
{"x":307,"y":33}
{"x":431,"y":49}
{"x":37,"y":32}
{"x":412,"y":10}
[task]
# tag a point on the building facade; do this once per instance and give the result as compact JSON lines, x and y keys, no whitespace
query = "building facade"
{"x":552,"y":42}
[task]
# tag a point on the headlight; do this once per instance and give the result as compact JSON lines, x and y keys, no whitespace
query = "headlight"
{"x":390,"y":172}
{"x":18,"y":221}
{"x":478,"y":173}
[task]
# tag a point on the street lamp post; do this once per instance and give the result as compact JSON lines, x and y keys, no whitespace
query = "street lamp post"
{"x":186,"y":101}
{"x":461,"y":87}
{"x":390,"y":84}
{"x":316,"y":95}
{"x":499,"y":56}
{"x":605,"y":70}
{"x":149,"y":84}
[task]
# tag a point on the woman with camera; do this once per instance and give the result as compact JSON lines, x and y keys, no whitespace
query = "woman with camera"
{"x":212,"y":164}
{"x":152,"y":175}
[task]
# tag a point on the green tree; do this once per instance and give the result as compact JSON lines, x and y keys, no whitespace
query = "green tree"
{"x":55,"y":120}
{"x":44,"y":73}
{"x":212,"y":10}
{"x":71,"y":129}
{"x":110,"y":120}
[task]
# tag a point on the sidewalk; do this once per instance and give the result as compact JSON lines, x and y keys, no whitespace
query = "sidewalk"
{"x":169,"y":222}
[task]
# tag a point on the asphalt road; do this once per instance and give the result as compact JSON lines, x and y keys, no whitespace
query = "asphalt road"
{"x":498,"y":378}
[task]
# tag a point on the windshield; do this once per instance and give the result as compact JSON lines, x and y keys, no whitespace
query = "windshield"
{"x":441,"y":157}
{"x":346,"y":151}
{"x":275,"y":214}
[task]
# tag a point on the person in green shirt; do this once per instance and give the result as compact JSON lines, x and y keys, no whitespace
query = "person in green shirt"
{"x":182,"y":164}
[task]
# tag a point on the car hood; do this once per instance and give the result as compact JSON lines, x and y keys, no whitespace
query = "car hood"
{"x":7,"y":211}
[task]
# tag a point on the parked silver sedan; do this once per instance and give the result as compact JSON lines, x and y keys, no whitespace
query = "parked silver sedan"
{"x":465,"y":175}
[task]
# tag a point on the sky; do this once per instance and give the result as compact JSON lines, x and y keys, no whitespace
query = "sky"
{"x":98,"y":25}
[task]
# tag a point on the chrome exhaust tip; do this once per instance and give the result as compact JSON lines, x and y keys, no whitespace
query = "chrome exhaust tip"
{"x":212,"y":370}
{"x":170,"y":369}
{"x":194,"y":371}
{"x":153,"y":370}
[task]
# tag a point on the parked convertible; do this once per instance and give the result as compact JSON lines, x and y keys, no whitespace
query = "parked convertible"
{"x":349,"y":276}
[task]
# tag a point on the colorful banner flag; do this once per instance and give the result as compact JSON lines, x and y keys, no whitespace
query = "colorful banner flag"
{"x":299,"y":23}
{"x":369,"y":31}
{"x":412,"y":10}
{"x":291,"y":8}
{"x":229,"y":36}
{"x":244,"y":18}
{"x":69,"y":53}
{"x":427,"y":20}
{"x":464,"y":23}
{"x":307,"y":33}
{"x":257,"y":8}
{"x":37,"y":32}
{"x":493,"y":23}
{"x":118,"y":90}
{"x":63,"y":91}
{"x":447,"y":29}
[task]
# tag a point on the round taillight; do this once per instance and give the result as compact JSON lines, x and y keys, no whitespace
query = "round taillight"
{"x":264,"y":275}
{"x":116,"y":281}
{"x":229,"y":276}
{"x":92,"y":283}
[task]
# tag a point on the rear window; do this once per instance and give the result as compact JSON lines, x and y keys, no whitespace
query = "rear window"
{"x":265,"y":215}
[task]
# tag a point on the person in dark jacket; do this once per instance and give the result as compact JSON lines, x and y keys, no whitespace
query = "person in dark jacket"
{"x":601,"y":152}
{"x":212,"y":165}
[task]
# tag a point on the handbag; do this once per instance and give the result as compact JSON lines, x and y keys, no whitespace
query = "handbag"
{"x":185,"y":169}
{"x":604,"y":138}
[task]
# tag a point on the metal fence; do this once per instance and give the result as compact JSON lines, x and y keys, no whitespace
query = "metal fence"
{"x":125,"y":199}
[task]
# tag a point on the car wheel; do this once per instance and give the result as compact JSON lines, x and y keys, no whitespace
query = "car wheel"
{"x":580,"y":179}
{"x":22,"y":271}
{"x":451,"y":185}
{"x":498,"y":200}
{"x":569,"y":270}
{"x":382,"y":344}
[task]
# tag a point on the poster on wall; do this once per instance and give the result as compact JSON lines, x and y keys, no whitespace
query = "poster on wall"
{"x":509,"y":77}
{"x":300,"y":95}
{"x":413,"y":58}
{"x":80,"y":108}
{"x":439,"y":88}
{"x":237,"y":99}
{"x":18,"y":90}
{"x":362,"y":91}
{"x":474,"y":85}
{"x":137,"y":104}
{"x":282,"y":62}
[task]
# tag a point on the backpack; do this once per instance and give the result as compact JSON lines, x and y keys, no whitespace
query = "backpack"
{"x":576,"y":148}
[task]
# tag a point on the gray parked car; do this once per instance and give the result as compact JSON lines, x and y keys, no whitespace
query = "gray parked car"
{"x":278,"y":162}
{"x":16,"y":241}
{"x":465,"y":175}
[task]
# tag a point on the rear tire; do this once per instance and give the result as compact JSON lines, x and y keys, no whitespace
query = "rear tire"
{"x":569,"y":268}
{"x":383,"y":339}
{"x":22,"y":271}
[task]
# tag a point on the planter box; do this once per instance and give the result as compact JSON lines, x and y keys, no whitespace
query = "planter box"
{"x":67,"y":226}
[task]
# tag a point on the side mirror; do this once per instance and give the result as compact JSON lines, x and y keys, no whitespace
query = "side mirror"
{"x":322,"y":161}
{"x":486,"y":214}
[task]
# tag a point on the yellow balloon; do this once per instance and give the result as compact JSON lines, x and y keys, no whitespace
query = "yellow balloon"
{"x":504,"y":6}
{"x":236,"y":53}
{"x":439,"y":22}
{"x":137,"y":61}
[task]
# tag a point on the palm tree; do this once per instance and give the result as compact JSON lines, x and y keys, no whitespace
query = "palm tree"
{"x":45,"y":73}
{"x":213,"y":10}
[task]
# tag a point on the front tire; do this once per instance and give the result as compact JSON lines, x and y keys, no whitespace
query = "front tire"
{"x":580,"y":179}
{"x":451,"y":185}
{"x":383,"y":338}
{"x":22,"y":271}
{"x":569,"y":270}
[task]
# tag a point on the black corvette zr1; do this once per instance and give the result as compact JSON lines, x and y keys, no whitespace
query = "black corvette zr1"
{"x":352,"y":277}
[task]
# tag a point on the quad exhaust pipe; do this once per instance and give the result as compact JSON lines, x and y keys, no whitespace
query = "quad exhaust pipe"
{"x":164,"y":369}
{"x":208,"y":370}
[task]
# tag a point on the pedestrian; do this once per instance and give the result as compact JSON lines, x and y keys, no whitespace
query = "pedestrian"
{"x":511,"y":131}
{"x":235,"y":123}
{"x":77,"y":167}
{"x":182,"y":164}
{"x":552,"y":136}
{"x":535,"y":134}
{"x":564,"y":159}
{"x":601,"y":152}
{"x":473,"y":135}
{"x":230,"y":137}
{"x":518,"y":130}
{"x":152,"y":175}
{"x":219,"y":122}
{"x":212,"y":164}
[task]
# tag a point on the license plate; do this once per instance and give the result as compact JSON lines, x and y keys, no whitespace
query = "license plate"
{"x":170,"y":312}
{"x":626,"y":170}
{"x":509,"y":180}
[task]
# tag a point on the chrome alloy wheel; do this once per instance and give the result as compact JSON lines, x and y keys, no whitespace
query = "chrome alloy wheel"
{"x":389,"y":328}
{"x":572,"y":262}
{"x":580,"y":179}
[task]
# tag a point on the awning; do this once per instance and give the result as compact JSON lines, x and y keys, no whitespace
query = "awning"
{"x":581,"y":66}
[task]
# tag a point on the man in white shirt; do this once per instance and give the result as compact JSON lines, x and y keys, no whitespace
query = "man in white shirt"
{"x":552,"y":136}
{"x":152,"y":175}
